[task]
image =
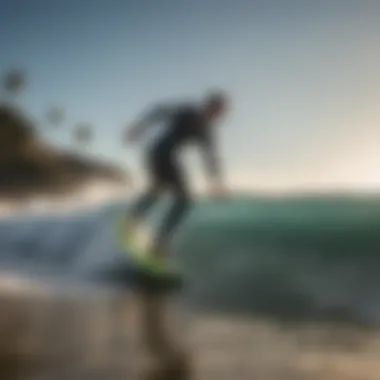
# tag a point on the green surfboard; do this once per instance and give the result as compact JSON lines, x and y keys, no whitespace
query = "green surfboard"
{"x":149,"y":270}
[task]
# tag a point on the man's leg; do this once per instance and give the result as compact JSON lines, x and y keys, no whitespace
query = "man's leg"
{"x":143,"y":204}
{"x":141,"y":207}
{"x":174,"y":217}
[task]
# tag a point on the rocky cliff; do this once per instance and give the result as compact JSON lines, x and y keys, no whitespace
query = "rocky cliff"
{"x":28,"y":166}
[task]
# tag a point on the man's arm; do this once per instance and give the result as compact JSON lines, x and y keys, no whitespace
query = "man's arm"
{"x":212,"y":160}
{"x":154,"y":115}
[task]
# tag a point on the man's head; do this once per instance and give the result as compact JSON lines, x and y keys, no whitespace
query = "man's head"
{"x":215,"y":104}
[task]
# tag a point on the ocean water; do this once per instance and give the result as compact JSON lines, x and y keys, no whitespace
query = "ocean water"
{"x":288,"y":258}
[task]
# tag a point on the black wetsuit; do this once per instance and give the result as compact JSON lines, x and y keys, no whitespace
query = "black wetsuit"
{"x":184,"y":124}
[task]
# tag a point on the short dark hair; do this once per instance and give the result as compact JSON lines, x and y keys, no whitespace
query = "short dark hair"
{"x":216,"y":98}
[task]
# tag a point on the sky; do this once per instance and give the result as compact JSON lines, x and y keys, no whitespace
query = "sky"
{"x":303,"y":79}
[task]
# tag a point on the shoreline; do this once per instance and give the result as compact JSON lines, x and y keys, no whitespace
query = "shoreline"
{"x":91,"y":334}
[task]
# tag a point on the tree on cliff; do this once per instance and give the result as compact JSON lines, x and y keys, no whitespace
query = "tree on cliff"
{"x":27,"y":164}
{"x":82,"y":135}
{"x":55,"y":116}
{"x":13,"y":83}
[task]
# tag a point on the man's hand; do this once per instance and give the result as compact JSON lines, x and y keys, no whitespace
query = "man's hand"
{"x":218,"y":192}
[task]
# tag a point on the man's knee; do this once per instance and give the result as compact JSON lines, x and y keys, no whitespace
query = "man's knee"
{"x":144,"y":202}
{"x":183,"y":201}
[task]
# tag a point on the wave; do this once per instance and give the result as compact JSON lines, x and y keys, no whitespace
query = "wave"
{"x":285,"y":258}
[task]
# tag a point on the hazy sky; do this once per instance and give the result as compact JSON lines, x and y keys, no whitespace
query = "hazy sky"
{"x":304,"y":78}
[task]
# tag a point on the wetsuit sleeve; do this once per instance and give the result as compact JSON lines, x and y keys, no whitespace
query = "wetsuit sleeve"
{"x":154,"y":115}
{"x":212,"y":160}
{"x":157,"y":114}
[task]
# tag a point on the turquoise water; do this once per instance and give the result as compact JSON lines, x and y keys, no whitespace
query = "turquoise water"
{"x":294,"y":258}
{"x":310,"y":257}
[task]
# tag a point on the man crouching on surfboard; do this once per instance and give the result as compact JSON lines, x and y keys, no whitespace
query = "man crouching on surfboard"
{"x":183,"y":124}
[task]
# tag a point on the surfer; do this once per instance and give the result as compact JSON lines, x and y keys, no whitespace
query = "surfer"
{"x":183,"y":124}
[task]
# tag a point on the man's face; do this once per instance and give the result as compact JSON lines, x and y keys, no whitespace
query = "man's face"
{"x":217,"y":110}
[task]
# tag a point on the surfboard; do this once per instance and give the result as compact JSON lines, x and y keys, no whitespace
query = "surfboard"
{"x":143,"y":270}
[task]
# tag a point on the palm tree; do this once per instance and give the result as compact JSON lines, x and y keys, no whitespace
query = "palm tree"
{"x":82,"y":135}
{"x":13,"y":82}
{"x":55,"y":116}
